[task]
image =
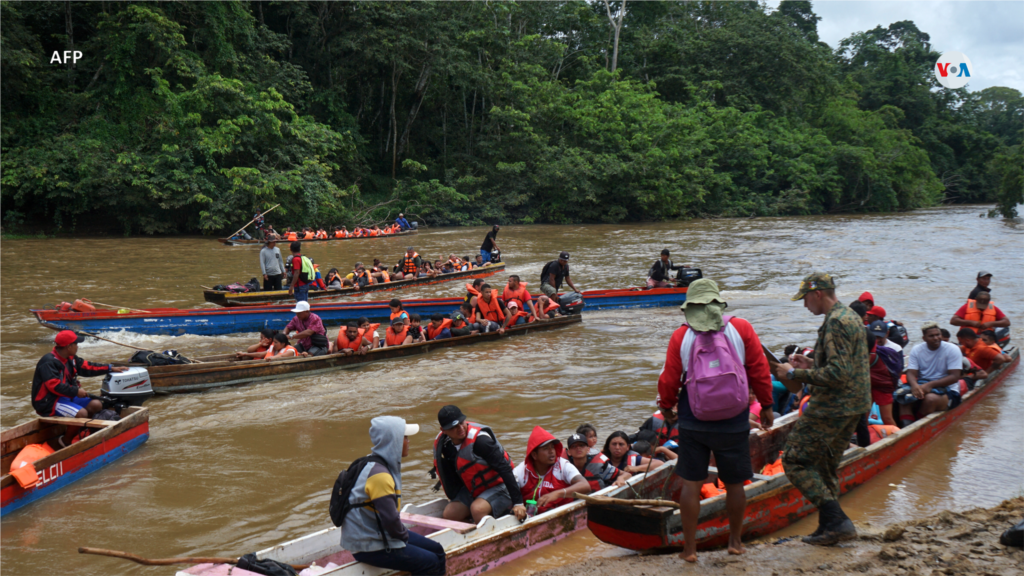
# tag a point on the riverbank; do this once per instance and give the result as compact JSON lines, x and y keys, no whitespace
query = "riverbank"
{"x":944,"y":543}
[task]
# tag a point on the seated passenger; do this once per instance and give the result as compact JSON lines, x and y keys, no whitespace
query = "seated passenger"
{"x":439,"y":328}
{"x":397,"y":311}
{"x":397,"y":334}
{"x":546,"y":307}
{"x":933,"y":374}
{"x":380,"y":273}
{"x":351,"y":340}
{"x":474,"y":470}
{"x":334,"y":280}
{"x":515,"y":289}
{"x":984,"y":356}
{"x":426,"y":270}
{"x":619,"y":454}
{"x":479,"y":262}
{"x":545,"y":476}
{"x":370,"y":331}
{"x":988,"y":338}
{"x":886,"y":366}
{"x":461,"y":325}
{"x":515,"y":315}
{"x":596,"y":468}
{"x":280,"y":348}
{"x":360,"y":277}
{"x":896,"y":334}
{"x":590,"y":433}
{"x":473,"y":291}
{"x":308,"y":329}
{"x":980,"y":314}
{"x":259,"y":350}
{"x":445,"y":267}
{"x":491,"y":313}
{"x":416,"y":329}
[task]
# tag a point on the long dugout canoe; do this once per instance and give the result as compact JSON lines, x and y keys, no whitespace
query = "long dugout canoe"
{"x":773,"y":503}
{"x":242,"y":242}
{"x":217,"y":321}
{"x":224,"y":298}
{"x":109,"y":441}
{"x":225,"y":370}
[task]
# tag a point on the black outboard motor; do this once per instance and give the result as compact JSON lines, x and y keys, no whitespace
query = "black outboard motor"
{"x":414,"y":225}
{"x":131,"y":387}
{"x":684,"y":276}
{"x":495,"y":256}
{"x":1003,"y":336}
{"x":571,"y":303}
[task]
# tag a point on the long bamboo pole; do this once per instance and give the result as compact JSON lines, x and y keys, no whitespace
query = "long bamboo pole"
{"x":253,"y":220}
{"x":167,"y":561}
{"x":625,"y":501}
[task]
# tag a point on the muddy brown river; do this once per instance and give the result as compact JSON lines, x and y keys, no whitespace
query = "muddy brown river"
{"x":235,"y":470}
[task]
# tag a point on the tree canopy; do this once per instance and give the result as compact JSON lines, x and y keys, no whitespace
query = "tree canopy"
{"x":184,"y":117}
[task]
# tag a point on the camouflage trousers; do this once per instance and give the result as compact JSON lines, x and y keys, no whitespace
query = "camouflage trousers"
{"x":813,"y":451}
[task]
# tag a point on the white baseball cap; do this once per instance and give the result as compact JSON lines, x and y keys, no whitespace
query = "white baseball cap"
{"x":412,"y":429}
{"x":301,"y":307}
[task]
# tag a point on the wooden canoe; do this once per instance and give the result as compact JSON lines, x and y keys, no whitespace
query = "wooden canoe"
{"x":772,"y":501}
{"x":224,"y":298}
{"x":226,"y":370}
{"x":109,"y":441}
{"x":471,"y":549}
{"x":242,"y":242}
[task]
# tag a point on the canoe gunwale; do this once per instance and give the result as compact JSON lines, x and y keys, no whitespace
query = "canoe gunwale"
{"x":253,"y":242}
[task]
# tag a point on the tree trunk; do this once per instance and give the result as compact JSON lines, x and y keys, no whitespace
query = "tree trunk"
{"x":70,"y":29}
{"x":616,"y":24}
{"x":395,"y":75}
{"x":421,"y":91}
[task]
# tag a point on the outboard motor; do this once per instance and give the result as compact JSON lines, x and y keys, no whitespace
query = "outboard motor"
{"x":571,"y":303}
{"x":414,"y":225}
{"x":131,"y":387}
{"x":684,"y":276}
{"x":495,"y":256}
{"x":1003,"y":336}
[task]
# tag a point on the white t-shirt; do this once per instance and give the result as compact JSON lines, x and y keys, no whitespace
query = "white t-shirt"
{"x":893,"y":345}
{"x":934,"y":364}
{"x":563,"y":470}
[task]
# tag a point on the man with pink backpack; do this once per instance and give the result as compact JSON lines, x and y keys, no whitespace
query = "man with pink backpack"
{"x":717,"y":361}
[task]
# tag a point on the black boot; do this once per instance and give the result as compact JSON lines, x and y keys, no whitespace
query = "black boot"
{"x":835,"y":526}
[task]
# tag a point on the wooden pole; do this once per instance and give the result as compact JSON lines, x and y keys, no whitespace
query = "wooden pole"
{"x":167,"y":561}
{"x":253,"y":220}
{"x":624,"y":501}
{"x":118,"y":307}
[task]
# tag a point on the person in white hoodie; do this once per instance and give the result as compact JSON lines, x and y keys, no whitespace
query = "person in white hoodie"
{"x":375,"y":534}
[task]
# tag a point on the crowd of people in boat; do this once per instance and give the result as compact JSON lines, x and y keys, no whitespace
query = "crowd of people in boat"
{"x":483,"y":310}
{"x":303,"y":274}
{"x":265,"y":231}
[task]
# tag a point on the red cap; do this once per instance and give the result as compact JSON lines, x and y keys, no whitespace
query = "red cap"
{"x":66,"y":338}
{"x":866,"y":296}
{"x":877,"y":311}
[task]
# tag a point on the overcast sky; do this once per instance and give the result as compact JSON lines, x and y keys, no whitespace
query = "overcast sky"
{"x":991,"y":34}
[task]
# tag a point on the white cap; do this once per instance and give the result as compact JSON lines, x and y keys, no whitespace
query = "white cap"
{"x":513,"y":304}
{"x":301,"y":307}
{"x":412,"y":429}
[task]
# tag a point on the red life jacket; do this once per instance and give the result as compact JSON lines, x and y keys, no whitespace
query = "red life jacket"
{"x":664,"y":434}
{"x":343,"y":341}
{"x":536,"y":487}
{"x":474,"y":471}
{"x":490,"y":310}
{"x":433,"y":332}
{"x":393,"y":339}
{"x":595,"y":470}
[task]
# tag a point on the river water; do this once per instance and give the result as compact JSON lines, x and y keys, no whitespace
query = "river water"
{"x":235,"y":470}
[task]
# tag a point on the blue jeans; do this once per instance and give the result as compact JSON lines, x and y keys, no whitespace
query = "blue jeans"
{"x":421,"y":555}
{"x":302,"y":293}
{"x":486,"y":254}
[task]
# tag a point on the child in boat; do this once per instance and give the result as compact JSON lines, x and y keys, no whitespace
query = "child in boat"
{"x":397,"y":311}
{"x":370,"y":330}
{"x":589,"y":432}
{"x":259,"y":350}
{"x":416,"y":329}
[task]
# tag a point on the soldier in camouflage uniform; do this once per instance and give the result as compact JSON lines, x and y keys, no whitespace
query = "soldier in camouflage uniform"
{"x":840,"y":386}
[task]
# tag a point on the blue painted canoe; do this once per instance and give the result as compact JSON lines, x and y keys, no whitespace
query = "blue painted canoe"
{"x":216,"y":321}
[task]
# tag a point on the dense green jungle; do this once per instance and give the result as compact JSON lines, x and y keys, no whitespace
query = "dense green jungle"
{"x":184,"y":117}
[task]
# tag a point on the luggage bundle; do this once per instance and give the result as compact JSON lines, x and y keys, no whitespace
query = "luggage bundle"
{"x":252,"y":285}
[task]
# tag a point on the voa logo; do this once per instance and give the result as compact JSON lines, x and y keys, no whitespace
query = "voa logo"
{"x":953,"y":69}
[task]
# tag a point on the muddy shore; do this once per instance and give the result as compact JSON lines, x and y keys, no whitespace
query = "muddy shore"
{"x":946,"y":543}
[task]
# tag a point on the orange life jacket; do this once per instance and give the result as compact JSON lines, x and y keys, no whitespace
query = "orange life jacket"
{"x":470,"y":292}
{"x":370,"y":331}
{"x":552,"y":305}
{"x":293,"y":236}
{"x":803,"y":403}
{"x":709,"y":490}
{"x":343,"y":341}
{"x":521,"y":294}
{"x":369,"y":278}
{"x":773,"y":468}
{"x":384,"y":273}
{"x":881,"y":431}
{"x":321,"y":234}
{"x":270,"y":353}
{"x":490,"y":310}
{"x":308,"y":235}
{"x":393,"y":339}
{"x":397,"y":314}
{"x":432,"y":332}
{"x":409,"y":264}
{"x":339,"y":234}
{"x":973,"y":313}
{"x":23,"y":470}
{"x":83,"y":305}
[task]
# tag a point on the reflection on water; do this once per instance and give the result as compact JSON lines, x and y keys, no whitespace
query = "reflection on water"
{"x":234,"y":470}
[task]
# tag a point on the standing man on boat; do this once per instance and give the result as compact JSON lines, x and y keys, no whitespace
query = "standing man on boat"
{"x":660,"y":275}
{"x":303,"y":274}
{"x":490,"y":243}
{"x":718,"y":424}
{"x":553,"y":273}
{"x":55,"y":387}
{"x":474,"y":470}
{"x":373,"y":529}
{"x":272,"y":265}
{"x":984,"y":279}
{"x":840,"y":381}
{"x":403,"y":224}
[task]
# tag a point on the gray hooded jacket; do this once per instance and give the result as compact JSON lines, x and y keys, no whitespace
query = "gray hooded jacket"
{"x":383,"y":487}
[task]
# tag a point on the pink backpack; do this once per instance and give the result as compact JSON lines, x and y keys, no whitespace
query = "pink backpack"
{"x":715,"y":378}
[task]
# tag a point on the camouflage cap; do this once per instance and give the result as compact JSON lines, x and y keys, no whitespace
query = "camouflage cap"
{"x":815,"y":281}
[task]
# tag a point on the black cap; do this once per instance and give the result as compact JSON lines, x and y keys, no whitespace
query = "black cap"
{"x":878,"y":329}
{"x":665,"y":252}
{"x":563,"y":256}
{"x":450,"y":416}
{"x":575,"y":439}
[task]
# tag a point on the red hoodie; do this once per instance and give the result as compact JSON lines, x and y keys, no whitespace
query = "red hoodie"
{"x":866,"y":296}
{"x":553,"y":481}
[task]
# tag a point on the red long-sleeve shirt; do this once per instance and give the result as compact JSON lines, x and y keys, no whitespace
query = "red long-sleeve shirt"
{"x":759,"y":376}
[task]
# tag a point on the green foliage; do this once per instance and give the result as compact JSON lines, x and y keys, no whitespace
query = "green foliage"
{"x":185,"y":116}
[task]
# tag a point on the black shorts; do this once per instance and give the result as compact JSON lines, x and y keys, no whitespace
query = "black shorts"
{"x":732,"y":456}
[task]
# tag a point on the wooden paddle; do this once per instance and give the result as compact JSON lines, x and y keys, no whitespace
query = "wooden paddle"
{"x":168,"y":561}
{"x":624,"y":501}
{"x":253,"y":220}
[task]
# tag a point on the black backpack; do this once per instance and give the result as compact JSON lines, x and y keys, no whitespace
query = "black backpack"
{"x":150,"y":358}
{"x":267,"y":567}
{"x":340,"y":505}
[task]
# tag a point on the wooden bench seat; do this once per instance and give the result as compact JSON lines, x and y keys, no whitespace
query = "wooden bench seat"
{"x":437,"y":523}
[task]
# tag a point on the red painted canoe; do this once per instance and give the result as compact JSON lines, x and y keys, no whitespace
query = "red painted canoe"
{"x":772,"y":502}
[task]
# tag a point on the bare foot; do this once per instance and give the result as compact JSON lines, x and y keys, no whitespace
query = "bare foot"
{"x":737,"y":550}
{"x":691,"y":558}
